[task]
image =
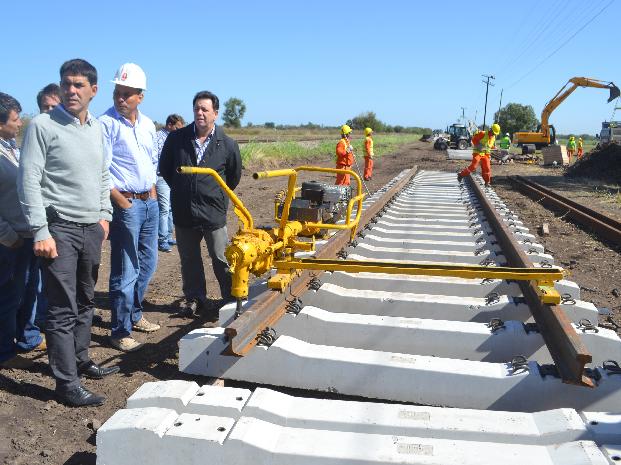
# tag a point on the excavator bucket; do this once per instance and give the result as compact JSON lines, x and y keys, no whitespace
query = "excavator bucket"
{"x":614,"y":92}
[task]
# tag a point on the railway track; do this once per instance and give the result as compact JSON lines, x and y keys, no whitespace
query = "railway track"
{"x":602,"y":225}
{"x":459,"y":370}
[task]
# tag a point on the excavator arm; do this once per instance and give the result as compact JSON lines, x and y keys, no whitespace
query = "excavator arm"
{"x":566,"y":91}
{"x":541,"y":137}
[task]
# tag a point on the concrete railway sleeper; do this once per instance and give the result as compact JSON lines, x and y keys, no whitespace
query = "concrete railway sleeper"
{"x":475,"y":367}
{"x":453,"y":200}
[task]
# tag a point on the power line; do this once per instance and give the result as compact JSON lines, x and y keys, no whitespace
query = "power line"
{"x":545,"y":20}
{"x":561,"y":46}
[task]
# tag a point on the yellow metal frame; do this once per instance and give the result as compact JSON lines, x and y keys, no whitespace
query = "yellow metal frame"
{"x":257,"y":251}
{"x":292,"y":189}
{"x":542,"y":277}
{"x":245,"y":218}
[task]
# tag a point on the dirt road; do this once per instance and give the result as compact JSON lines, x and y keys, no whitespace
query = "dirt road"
{"x":35,"y":429}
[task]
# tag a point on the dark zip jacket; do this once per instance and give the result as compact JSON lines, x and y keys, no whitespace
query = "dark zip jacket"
{"x":197,"y":201}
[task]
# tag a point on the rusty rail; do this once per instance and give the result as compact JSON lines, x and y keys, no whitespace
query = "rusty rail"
{"x":567,"y":350}
{"x":605,"y":227}
{"x":270,"y":306}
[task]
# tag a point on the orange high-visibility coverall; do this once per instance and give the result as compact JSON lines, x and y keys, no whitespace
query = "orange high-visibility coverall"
{"x":482,"y":143}
{"x":344,"y":160}
{"x":580,"y":149}
{"x":368,"y":158}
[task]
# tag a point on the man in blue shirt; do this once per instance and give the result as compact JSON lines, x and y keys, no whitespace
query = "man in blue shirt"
{"x":129,"y":139}
{"x":165,"y":229}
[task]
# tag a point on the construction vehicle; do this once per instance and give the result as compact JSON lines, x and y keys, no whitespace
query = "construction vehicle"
{"x":546,"y":134}
{"x":457,"y":136}
{"x":611,"y":132}
{"x":257,"y":251}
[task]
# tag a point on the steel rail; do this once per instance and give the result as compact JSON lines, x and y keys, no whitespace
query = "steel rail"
{"x":270,"y":306}
{"x":567,"y":350}
{"x":606,"y":227}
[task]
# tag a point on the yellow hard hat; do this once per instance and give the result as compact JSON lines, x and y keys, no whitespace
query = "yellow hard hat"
{"x":571,"y":137}
{"x":367,"y":131}
{"x":579,"y":138}
{"x":345,"y":129}
{"x":495,"y":129}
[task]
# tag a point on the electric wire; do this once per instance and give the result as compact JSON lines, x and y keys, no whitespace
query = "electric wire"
{"x":546,"y":20}
{"x":565,"y":42}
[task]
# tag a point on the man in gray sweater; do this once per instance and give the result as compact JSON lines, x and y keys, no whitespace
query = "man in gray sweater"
{"x":64,"y":189}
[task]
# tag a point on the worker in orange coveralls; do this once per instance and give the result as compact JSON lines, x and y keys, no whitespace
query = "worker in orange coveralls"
{"x":344,"y":155}
{"x":482,"y":144}
{"x":580,"y":148}
{"x":368,"y":157}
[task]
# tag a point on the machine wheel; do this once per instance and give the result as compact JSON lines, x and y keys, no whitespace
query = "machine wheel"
{"x":462,"y":144}
{"x":443,"y":146}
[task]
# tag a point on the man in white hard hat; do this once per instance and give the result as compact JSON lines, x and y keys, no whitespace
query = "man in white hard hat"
{"x":129,"y":140}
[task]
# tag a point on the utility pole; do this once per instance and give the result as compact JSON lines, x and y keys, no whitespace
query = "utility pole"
{"x":463,"y":114}
{"x":487,"y":84}
{"x":500,"y":104}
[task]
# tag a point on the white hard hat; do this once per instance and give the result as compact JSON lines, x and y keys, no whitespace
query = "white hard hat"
{"x":131,"y":75}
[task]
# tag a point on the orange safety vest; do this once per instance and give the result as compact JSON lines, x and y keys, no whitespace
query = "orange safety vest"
{"x":343,"y":157}
{"x":368,"y":146}
{"x":483,"y":142}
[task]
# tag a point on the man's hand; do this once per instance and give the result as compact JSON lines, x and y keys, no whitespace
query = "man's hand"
{"x":119,"y":200}
{"x":153,"y":193}
{"x":45,"y":248}
{"x":106,"y":228}
{"x":17,"y":244}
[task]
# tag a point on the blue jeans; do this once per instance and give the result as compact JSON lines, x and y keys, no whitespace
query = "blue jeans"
{"x":133,"y":259}
{"x":19,"y":281}
{"x":165,"y":228}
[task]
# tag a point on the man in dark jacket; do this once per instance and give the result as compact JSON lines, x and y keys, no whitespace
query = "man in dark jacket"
{"x":198,"y":204}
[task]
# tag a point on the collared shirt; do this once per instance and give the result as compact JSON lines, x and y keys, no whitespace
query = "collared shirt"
{"x":131,"y":151}
{"x":160,"y":138}
{"x":199,"y":148}
{"x":11,"y":148}
{"x":75,"y":119}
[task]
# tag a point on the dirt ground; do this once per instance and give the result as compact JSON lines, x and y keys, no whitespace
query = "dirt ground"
{"x":35,"y":429}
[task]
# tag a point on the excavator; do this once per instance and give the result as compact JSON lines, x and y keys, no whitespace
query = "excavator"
{"x":546,"y":134}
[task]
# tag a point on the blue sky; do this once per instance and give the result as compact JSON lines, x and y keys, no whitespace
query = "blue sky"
{"x":412,"y":63}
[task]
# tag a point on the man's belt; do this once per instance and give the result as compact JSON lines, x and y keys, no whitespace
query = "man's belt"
{"x":136,"y":195}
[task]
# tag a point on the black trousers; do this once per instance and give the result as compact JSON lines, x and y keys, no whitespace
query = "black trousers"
{"x":70,"y":289}
{"x":192,"y":271}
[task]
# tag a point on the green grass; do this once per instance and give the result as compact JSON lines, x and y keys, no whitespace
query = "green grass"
{"x":290,"y":150}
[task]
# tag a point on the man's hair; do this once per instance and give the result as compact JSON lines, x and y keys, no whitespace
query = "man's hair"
{"x":206,"y":95}
{"x":174,"y":119}
{"x":50,"y":89}
{"x":79,"y":67}
{"x":8,"y":103}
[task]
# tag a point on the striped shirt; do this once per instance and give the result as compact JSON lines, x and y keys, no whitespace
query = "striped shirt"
{"x":199,"y":148}
{"x":11,"y":147}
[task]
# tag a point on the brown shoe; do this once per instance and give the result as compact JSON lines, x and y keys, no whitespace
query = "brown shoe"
{"x":17,"y":363}
{"x":145,"y":326}
{"x":42,"y":345}
{"x":125,"y":344}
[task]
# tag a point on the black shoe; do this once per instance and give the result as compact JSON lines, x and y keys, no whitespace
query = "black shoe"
{"x":94,"y":371}
{"x":190,"y":309}
{"x":80,"y":397}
